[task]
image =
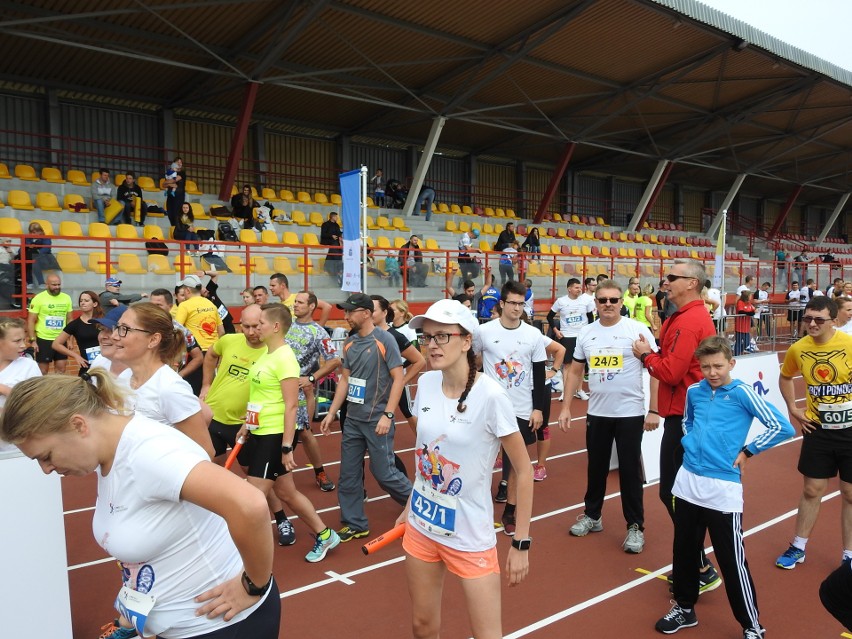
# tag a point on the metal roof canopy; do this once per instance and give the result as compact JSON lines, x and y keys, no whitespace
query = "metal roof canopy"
{"x":631,"y":82}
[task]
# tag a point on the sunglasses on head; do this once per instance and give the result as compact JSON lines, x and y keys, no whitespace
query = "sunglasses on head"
{"x":611,"y":300}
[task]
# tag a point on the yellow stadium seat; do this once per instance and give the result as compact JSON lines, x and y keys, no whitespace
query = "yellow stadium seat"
{"x":198,"y":211}
{"x":664,"y":253}
{"x":451,"y":226}
{"x":370,"y":203}
{"x":46,"y":226}
{"x":259,"y":266}
{"x":283,"y":265}
{"x":605,"y":251}
{"x":298,"y":217}
{"x":248,"y":236}
{"x":70,"y":262}
{"x":69,"y":228}
{"x":585,"y":250}
{"x":455,"y":209}
{"x":336,"y":199}
{"x":432,"y":245}
{"x":443,"y":208}
{"x":544,"y":249}
{"x":4,"y":171}
{"x":533,"y":269}
{"x":25,"y":172}
{"x":290,"y":237}
{"x":302,"y":196}
{"x":510,"y":213}
{"x":269,"y":237}
{"x":192,"y":188}
{"x":575,"y":250}
{"x":187,"y":264}
{"x":287,"y":195}
{"x":147,"y":184}
{"x":126,"y":232}
{"x":315,"y":218}
{"x":72,"y":199}
{"x":269,"y":194}
{"x":383,"y":242}
{"x":398,"y":242}
{"x":321,"y":198}
{"x":600,"y":221}
{"x":466,"y":210}
{"x":305,"y":265}
{"x":10,"y":226}
{"x":371,"y":223}
{"x":499,"y":213}
{"x":488,"y":228}
{"x":20,"y":200}
{"x":310,"y":239}
{"x":77,"y":178}
{"x":484,"y":245}
{"x":383,"y":223}
{"x":47,"y":201}
{"x":489,"y":212}
{"x":51,"y":174}
{"x":97,"y":263}
{"x":476,"y":226}
{"x":129,"y":263}
{"x":152,"y":231}
{"x":498,"y":228}
{"x":464,"y":227}
{"x":159,"y":265}
{"x":562,"y":232}
{"x":99,"y":229}
{"x":399,"y":225}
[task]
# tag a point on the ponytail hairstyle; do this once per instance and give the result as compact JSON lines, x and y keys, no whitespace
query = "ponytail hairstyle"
{"x":154,"y":319}
{"x":402,"y":307}
{"x":45,"y":405}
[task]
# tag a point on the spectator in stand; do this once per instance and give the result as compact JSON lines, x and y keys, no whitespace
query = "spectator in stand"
{"x":378,"y":184}
{"x":781,"y":264}
{"x":742,"y":325}
{"x":185,"y":228}
{"x":112,"y":296}
{"x":506,"y":237}
{"x":102,"y":193}
{"x":508,"y":258}
{"x":424,"y":200}
{"x":177,"y":193}
{"x":332,"y":236}
{"x":411,"y":259}
{"x":243,"y":205}
{"x":83,"y":330}
{"x":533,"y":243}
{"x":467,"y":263}
{"x":34,"y":249}
{"x":211,"y":252}
{"x":130,"y":195}
{"x":800,"y":265}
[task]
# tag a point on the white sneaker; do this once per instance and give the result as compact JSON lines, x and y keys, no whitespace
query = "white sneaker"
{"x":561,"y":397}
{"x":585,"y":525}
{"x":581,"y":394}
{"x":635,"y":541}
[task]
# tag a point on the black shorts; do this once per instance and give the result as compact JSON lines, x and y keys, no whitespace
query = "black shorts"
{"x":794,"y":316}
{"x":224,"y":436}
{"x":265,"y":459}
{"x":46,"y":354}
{"x":263,"y":623}
{"x":569,"y":343}
{"x":825,"y":453}
{"x":527,"y":433}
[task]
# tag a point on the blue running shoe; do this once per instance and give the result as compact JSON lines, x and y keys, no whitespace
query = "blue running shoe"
{"x":790,"y":558}
{"x":322,"y":546}
{"x":114,"y":631}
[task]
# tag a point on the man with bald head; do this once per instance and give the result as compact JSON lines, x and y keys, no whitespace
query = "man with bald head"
{"x":49,"y":314}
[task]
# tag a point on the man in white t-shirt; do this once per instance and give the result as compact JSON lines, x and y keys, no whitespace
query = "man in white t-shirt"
{"x":590,"y":285}
{"x":763,"y":315}
{"x":747,"y":285}
{"x":513,"y":353}
{"x":714,"y":298}
{"x":844,"y":315}
{"x":796,"y":300}
{"x":616,"y":412}
{"x":574,"y":313}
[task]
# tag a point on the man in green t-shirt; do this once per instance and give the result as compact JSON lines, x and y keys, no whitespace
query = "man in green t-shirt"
{"x":49,"y":314}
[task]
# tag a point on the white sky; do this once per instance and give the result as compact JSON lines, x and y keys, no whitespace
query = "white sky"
{"x":817,"y":26}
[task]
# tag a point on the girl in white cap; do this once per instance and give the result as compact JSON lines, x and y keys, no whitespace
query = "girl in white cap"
{"x":464,"y":418}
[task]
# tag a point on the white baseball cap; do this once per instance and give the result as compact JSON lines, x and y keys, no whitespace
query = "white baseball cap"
{"x":447,"y":312}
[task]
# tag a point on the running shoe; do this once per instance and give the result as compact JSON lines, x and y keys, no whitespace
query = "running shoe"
{"x":286,"y":533}
{"x":708,"y":580}
{"x":581,"y":394}
{"x":585,"y":525}
{"x":539,"y":472}
{"x":322,"y":546}
{"x":347,"y":534}
{"x":324,"y":483}
{"x":676,"y":619}
{"x":502,"y":495}
{"x":113,"y":631}
{"x":635,"y":541}
{"x":790,"y":558}
{"x":753,"y":633}
{"x":508,"y":522}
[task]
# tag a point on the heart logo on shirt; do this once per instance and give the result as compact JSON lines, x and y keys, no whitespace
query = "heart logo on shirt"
{"x":208,"y":327}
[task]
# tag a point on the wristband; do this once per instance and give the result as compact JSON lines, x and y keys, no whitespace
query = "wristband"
{"x":744,"y":450}
{"x":642,"y":358}
{"x":554,"y":369}
{"x":653,"y":412}
{"x":251,"y":589}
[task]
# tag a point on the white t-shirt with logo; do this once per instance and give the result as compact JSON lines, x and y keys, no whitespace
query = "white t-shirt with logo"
{"x":454,"y":454}
{"x":615,"y":375}
{"x":18,"y":370}
{"x":573,"y":313}
{"x":166,"y":397}
{"x":715,"y":295}
{"x":507,"y":357}
{"x":170,"y":549}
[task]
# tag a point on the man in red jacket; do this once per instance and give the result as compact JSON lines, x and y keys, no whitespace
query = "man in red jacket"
{"x":676,"y":368}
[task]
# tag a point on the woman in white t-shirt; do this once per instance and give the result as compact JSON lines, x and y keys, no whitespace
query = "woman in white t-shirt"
{"x":13,"y":367}
{"x":104,"y":360}
{"x":464,"y":419}
{"x":192,"y":539}
{"x":148,"y":343}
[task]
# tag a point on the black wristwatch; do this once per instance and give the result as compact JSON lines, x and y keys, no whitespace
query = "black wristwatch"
{"x":746,"y":451}
{"x":555,"y":370}
{"x":311,"y":379}
{"x":642,"y":358}
{"x":522,"y":544}
{"x":286,"y":449}
{"x":251,"y":589}
{"x":389,"y":414}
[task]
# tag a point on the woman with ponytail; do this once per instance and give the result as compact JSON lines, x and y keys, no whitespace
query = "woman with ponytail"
{"x":464,"y":419}
{"x":148,"y":343}
{"x":192,"y":539}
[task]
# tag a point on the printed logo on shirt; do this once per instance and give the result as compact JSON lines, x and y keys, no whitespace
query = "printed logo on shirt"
{"x":511,"y":371}
{"x":824,"y":373}
{"x":425,"y":409}
{"x":437,"y":470}
{"x":240,"y":372}
{"x":140,"y":577}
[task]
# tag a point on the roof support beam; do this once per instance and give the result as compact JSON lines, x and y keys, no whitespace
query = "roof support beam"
{"x":649,"y":197}
{"x":555,"y":179}
{"x":238,"y":141}
{"x":784,"y":212}
{"x":423,"y":165}
{"x":726,"y":204}
{"x":834,"y":215}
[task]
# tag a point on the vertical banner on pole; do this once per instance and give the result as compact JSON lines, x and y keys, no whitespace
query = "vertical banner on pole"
{"x":350,"y":213}
{"x":719,"y":269}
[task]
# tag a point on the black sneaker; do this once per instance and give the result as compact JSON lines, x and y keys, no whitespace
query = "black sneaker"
{"x":347,"y":534}
{"x":502,"y":495}
{"x":508,"y":522}
{"x":676,"y":619}
{"x":324,"y":483}
{"x":286,"y":533}
{"x":753,"y":633}
{"x":708,"y":580}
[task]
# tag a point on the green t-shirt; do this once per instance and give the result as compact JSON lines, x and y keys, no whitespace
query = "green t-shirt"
{"x":265,"y":379}
{"x":642,"y":302}
{"x":52,"y":311}
{"x":229,"y":392}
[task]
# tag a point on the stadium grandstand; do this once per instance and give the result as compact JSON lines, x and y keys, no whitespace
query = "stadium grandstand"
{"x":625,"y":131}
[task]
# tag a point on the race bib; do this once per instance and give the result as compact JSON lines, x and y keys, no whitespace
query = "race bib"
{"x":574,"y":319}
{"x":434,"y":511}
{"x":223,"y":312}
{"x":91,"y":353}
{"x":835,"y":416}
{"x":605,"y":360}
{"x":357,"y":390}
{"x":135,"y":607}
{"x":253,"y":415}
{"x":55,"y":321}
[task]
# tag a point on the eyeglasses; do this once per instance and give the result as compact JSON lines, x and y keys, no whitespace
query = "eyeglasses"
{"x":122,"y":330}
{"x":604,"y":300}
{"x":671,"y":277}
{"x":440,"y":339}
{"x":516,"y":304}
{"x":807,"y":319}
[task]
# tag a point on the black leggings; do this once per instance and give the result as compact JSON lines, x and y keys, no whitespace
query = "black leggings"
{"x":263,"y":623}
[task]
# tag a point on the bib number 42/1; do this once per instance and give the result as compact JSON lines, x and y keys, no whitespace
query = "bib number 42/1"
{"x":434,"y":511}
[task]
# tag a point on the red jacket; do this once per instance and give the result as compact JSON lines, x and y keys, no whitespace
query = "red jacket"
{"x":675,"y":365}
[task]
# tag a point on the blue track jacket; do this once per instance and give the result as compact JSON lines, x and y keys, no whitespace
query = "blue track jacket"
{"x":716,"y":424}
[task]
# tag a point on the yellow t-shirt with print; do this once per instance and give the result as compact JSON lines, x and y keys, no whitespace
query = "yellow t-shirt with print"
{"x":202,"y":319}
{"x":265,"y":379}
{"x":827,"y":369}
{"x":229,"y":392}
{"x":52,"y":311}
{"x":290,"y":302}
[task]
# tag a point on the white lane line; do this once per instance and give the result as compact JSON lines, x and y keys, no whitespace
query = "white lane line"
{"x":339,"y":577}
{"x":91,"y":563}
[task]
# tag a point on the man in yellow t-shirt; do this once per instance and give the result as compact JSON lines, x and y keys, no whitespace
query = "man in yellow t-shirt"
{"x":199,"y":314}
{"x":824,"y":359}
{"x":279,"y":286}
{"x":49,"y":314}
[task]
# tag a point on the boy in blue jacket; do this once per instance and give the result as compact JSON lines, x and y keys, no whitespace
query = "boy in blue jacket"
{"x":708,"y":489}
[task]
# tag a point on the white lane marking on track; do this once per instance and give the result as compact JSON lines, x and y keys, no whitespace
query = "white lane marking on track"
{"x":338,"y":577}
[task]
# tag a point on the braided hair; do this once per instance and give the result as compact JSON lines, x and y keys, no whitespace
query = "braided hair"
{"x":471,"y":377}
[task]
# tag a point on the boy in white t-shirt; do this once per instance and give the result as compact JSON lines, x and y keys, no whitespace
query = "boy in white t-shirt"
{"x":574,"y":311}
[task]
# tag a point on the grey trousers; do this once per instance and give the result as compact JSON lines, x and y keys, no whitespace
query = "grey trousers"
{"x":357,"y":439}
